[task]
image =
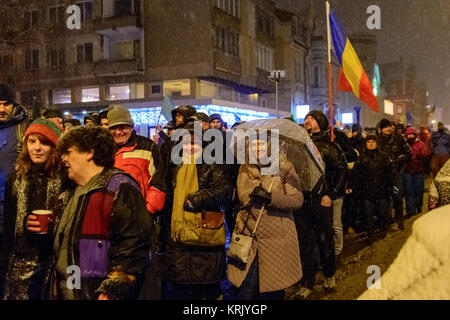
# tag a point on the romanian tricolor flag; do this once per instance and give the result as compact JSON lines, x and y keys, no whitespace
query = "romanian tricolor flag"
{"x":352,"y":76}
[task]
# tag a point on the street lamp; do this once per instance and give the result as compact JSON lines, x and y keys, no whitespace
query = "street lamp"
{"x":276,"y":76}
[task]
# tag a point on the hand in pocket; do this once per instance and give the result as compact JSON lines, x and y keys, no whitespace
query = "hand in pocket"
{"x":326,"y":202}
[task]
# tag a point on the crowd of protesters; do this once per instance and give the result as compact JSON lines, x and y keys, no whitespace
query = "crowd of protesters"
{"x":134,"y":224}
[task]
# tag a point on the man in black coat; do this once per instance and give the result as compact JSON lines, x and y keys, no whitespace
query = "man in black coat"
{"x":315,"y":220}
{"x":400,"y":153}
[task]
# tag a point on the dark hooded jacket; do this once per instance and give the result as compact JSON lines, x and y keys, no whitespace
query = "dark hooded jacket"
{"x":396,"y":147}
{"x":12,"y":132}
{"x":186,"y":111}
{"x":341,"y":139}
{"x":336,"y":172}
{"x":372,"y":175}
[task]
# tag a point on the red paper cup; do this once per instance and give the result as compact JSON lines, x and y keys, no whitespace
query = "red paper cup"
{"x":43,"y":216}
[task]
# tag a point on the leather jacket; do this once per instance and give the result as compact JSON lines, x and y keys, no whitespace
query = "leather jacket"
{"x":336,"y":172}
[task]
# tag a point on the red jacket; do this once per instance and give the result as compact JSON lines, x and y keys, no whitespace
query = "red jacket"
{"x":419,"y":155}
{"x":140,"y":157}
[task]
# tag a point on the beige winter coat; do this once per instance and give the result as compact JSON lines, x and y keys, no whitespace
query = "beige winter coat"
{"x":421,"y":270}
{"x":276,"y":241}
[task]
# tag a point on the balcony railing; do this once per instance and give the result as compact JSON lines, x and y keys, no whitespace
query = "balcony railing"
{"x":120,"y":67}
{"x":116,"y":22}
{"x":230,"y":63}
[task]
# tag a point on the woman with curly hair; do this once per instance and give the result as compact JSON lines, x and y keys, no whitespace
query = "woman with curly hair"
{"x":35,"y":184}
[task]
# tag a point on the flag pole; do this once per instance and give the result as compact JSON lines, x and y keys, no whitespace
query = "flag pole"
{"x":329,"y":70}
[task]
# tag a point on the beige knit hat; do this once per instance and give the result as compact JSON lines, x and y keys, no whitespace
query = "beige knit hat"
{"x":119,"y":115}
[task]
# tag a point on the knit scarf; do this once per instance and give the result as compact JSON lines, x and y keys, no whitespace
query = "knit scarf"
{"x":21,"y":267}
{"x":184,"y":223}
{"x":21,"y":189}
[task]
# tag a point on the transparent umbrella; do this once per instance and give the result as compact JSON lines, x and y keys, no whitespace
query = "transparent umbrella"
{"x":295,"y":146}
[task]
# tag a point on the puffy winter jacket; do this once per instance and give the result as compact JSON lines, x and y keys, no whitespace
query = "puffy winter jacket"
{"x":396,"y":147}
{"x":336,"y":171}
{"x":421,"y":269}
{"x":440,"y":143}
{"x":419,"y":155}
{"x":371,"y":175}
{"x":141,"y":158}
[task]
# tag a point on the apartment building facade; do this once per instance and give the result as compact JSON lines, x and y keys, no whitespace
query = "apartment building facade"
{"x":214,"y":54}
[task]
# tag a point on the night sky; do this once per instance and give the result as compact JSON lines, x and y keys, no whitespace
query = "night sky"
{"x":418,"y":29}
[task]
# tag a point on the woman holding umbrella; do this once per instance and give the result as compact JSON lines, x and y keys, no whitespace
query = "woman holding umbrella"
{"x":274,"y":261}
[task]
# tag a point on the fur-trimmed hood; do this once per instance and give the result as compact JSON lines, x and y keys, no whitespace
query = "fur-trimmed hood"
{"x":19,"y":114}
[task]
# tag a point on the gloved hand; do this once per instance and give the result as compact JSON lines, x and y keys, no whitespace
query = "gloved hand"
{"x":261,"y":194}
{"x":188,"y":206}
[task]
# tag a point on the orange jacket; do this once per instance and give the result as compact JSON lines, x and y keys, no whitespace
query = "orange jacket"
{"x":141,"y":158}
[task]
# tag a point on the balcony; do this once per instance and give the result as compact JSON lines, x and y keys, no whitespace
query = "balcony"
{"x":121,"y":67}
{"x":263,"y":82}
{"x":109,"y":26}
{"x":222,"y":18}
{"x":230,"y":63}
{"x":49,"y":73}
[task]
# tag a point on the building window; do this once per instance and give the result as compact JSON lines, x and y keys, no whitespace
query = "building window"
{"x":127,"y":50}
{"x":294,"y":26}
{"x":90,"y":94}
{"x":56,"y":14}
{"x":27,"y":98}
{"x":86,"y":10}
{"x":31,"y":59}
{"x":126,"y":7}
{"x":347,"y":118}
{"x":316,"y":77}
{"x":265,"y":23}
{"x":231,"y":7}
{"x":84,"y":52}
{"x":137,"y":91}
{"x":55,"y":58}
{"x":119,"y":92}
{"x":227,"y":41}
{"x":265,"y":58}
{"x":299,"y":71}
{"x":156,"y":89}
{"x":301,"y":111}
{"x":31,"y":19}
{"x":61,"y":96}
{"x":6,"y":61}
{"x":177,"y":88}
{"x":388,"y":107}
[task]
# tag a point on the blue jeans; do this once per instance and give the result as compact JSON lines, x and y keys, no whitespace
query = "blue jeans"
{"x":414,"y":188}
{"x":249,"y":290}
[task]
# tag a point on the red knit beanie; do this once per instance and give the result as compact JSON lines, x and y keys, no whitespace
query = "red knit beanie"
{"x":44,"y":127}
